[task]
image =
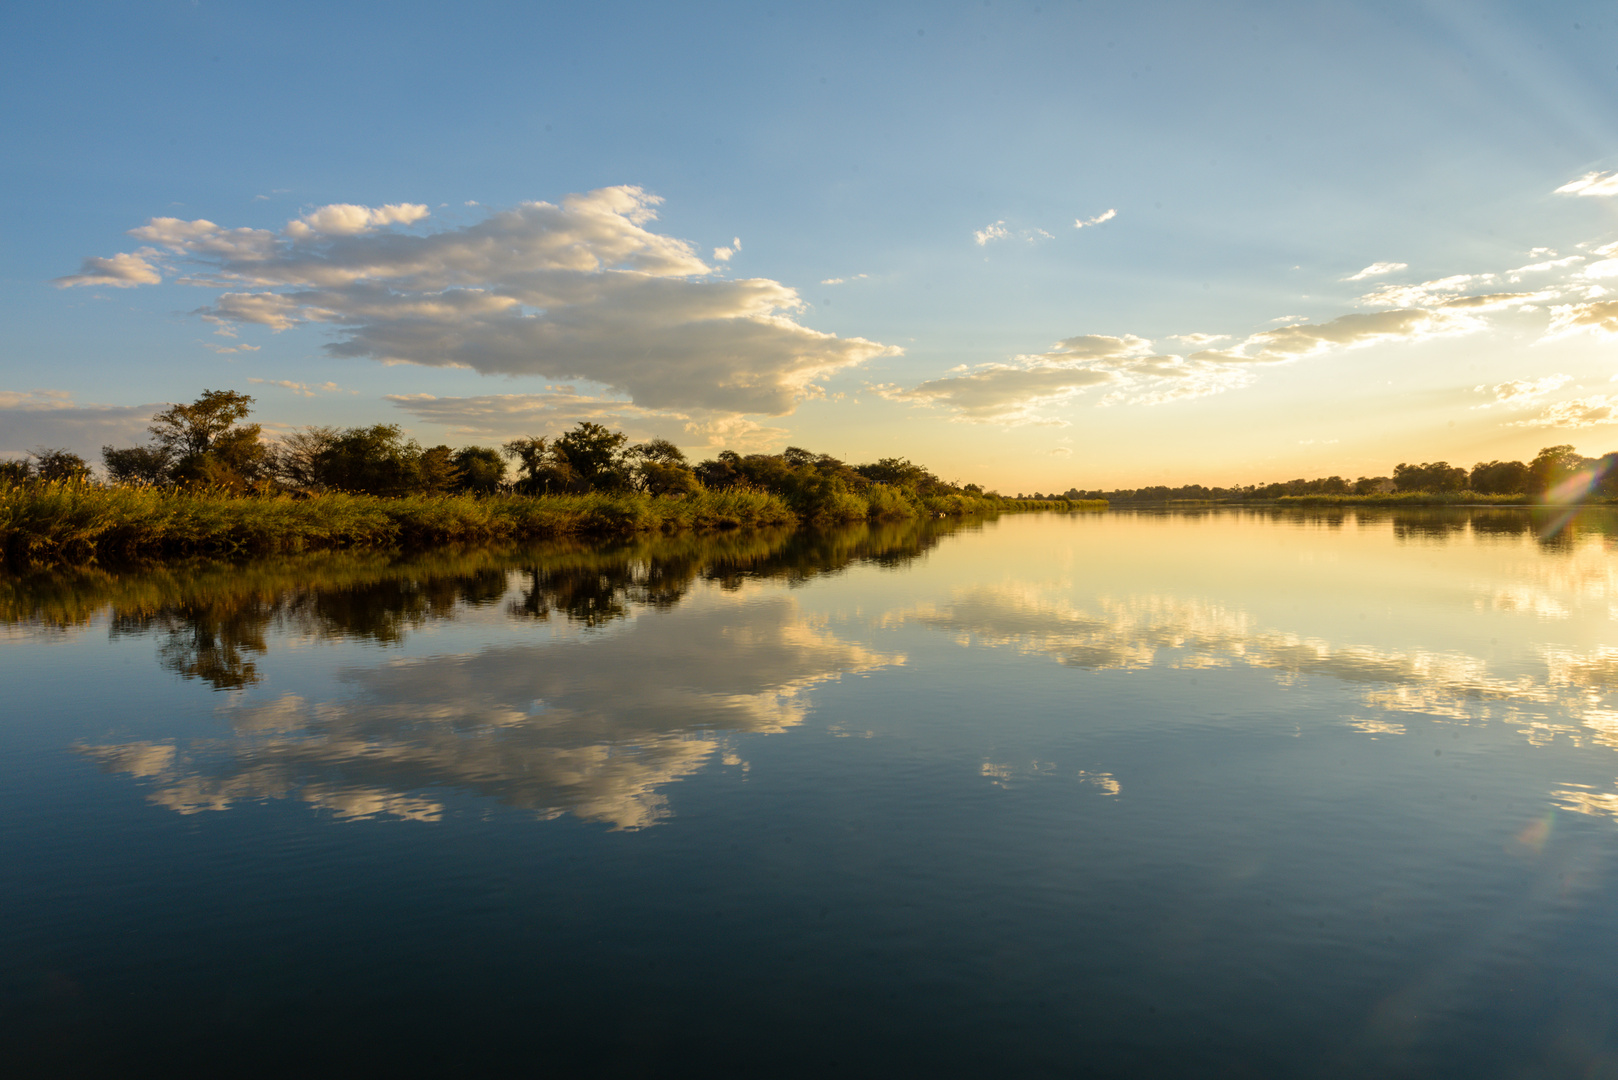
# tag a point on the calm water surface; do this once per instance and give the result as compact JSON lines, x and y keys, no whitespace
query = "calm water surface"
{"x":1222,"y":794}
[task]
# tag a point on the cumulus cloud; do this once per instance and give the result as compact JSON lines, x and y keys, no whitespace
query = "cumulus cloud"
{"x":1080,"y":223}
{"x":997,"y":231}
{"x":1599,"y":317}
{"x":1580,"y":412}
{"x":30,"y":418}
{"x":346,"y":219}
{"x":1516,"y":392}
{"x":582,"y":289}
{"x":120,"y":272}
{"x":723,"y":254}
{"x":1377,"y":269}
{"x":1591,"y":183}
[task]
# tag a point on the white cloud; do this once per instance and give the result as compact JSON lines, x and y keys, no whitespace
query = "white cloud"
{"x":735,"y":433}
{"x":1593,"y":183}
{"x":1377,"y":269}
{"x":723,"y":254}
{"x":301,"y":389}
{"x":1014,"y":392}
{"x":579,"y":290}
{"x":226,"y":350}
{"x":1599,"y":317}
{"x":1197,"y":341}
{"x":1543,"y":265}
{"x":346,"y":219}
{"x":997,"y":231}
{"x":1580,"y":412}
{"x":1080,"y":223}
{"x":843,"y":281}
{"x":120,"y":272}
{"x":1517,"y":392}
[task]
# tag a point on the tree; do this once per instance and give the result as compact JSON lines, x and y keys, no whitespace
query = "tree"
{"x":375,"y":460}
{"x":297,"y":461}
{"x":136,"y":464}
{"x":660,"y":467}
{"x":1552,"y":466}
{"x":482,"y":469}
{"x":59,"y":464}
{"x":436,"y":471}
{"x":1429,"y":476}
{"x":543,"y":473}
{"x":205,"y":442}
{"x":595,"y":454}
{"x":1499,"y":478}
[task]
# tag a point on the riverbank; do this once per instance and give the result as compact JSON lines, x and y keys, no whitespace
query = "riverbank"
{"x":1411,"y":498}
{"x":74,"y":523}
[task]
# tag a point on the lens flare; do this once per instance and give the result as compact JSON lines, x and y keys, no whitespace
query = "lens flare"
{"x":1570,"y":494}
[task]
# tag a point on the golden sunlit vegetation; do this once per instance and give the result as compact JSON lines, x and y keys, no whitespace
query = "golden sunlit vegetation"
{"x":209,"y":484}
{"x":1558,"y":474}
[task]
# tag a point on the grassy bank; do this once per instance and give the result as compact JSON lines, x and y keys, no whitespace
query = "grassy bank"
{"x":1410,"y":498}
{"x":71,"y":522}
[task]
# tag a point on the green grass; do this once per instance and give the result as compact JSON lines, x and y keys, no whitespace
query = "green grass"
{"x":73,"y":523}
{"x":1410,"y":498}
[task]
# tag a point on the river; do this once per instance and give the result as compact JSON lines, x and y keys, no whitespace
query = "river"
{"x":1218,"y":793}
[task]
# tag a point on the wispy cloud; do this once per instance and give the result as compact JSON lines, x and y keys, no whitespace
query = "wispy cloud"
{"x":1518,"y":392}
{"x":1591,"y":183}
{"x":1082,"y":223}
{"x":1580,"y":412}
{"x":1019,"y":390}
{"x":1377,"y":269}
{"x":583,"y":289}
{"x":301,"y":389}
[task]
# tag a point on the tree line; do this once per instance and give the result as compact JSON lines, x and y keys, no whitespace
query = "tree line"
{"x":209,"y":443}
{"x":1551,"y":467}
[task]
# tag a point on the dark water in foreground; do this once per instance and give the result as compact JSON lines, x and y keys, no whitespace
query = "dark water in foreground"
{"x":1222,"y":795}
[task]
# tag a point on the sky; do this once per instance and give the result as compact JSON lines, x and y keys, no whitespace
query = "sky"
{"x":1031,"y":245}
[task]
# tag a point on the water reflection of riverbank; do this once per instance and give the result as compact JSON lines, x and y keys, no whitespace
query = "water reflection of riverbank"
{"x":657,"y":654}
{"x":676,"y":659}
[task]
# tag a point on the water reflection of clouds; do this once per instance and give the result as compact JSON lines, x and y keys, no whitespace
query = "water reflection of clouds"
{"x":595,"y":726}
{"x":1147,"y":631}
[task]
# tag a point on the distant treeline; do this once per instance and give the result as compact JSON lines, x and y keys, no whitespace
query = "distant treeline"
{"x":1558,"y":474}
{"x":208,"y":482}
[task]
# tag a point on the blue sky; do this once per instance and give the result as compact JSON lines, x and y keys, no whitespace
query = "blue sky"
{"x":905,"y":183}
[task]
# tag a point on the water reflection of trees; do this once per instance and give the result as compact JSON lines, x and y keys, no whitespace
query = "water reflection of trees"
{"x":213,"y":620}
{"x":595,"y":724}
